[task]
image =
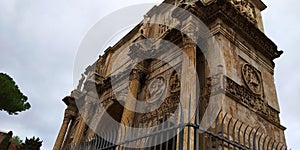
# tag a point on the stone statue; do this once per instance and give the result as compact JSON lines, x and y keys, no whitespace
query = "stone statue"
{"x":80,"y":82}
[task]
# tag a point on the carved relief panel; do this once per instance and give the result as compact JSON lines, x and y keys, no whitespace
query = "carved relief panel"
{"x":156,"y":90}
{"x":246,"y":8}
{"x":252,"y":78}
{"x":174,"y":82}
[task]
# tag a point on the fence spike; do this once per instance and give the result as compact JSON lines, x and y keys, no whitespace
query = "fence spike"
{"x":254,"y":139}
{"x":264,"y":142}
{"x":281,"y":146}
{"x":244,"y":136}
{"x":239,"y":133}
{"x":269,"y":143}
{"x":273,"y":145}
{"x":277,"y":145}
{"x":249,"y":137}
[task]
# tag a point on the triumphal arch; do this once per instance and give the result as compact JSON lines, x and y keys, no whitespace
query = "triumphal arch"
{"x":191,"y":75}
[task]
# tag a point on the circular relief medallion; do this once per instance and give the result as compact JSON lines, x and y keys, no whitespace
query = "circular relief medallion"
{"x":252,"y":78}
{"x":156,"y":89}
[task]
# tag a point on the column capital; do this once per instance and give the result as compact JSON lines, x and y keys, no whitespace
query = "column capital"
{"x":136,"y":74}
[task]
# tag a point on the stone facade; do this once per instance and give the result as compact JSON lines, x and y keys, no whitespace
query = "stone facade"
{"x":239,"y":75}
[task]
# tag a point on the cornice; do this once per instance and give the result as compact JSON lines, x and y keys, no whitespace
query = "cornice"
{"x":224,"y":10}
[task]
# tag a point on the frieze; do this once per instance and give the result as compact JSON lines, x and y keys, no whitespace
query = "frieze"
{"x":246,"y":8}
{"x":143,"y":49}
{"x":168,"y":107}
{"x":242,"y":95}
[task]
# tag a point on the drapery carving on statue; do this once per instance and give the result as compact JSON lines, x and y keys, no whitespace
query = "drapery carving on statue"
{"x":100,"y":66}
{"x":245,"y":7}
{"x":174,"y":82}
{"x":156,"y":90}
{"x":252,"y":78}
{"x":145,"y":27}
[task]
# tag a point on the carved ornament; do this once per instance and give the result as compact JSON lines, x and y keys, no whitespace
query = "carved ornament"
{"x":246,"y":8}
{"x":252,"y":78}
{"x":156,"y":89}
{"x":228,"y":13}
{"x":174,"y":82}
{"x":244,"y":96}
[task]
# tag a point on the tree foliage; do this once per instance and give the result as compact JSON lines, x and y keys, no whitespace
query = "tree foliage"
{"x":12,"y":99}
{"x":17,"y":139}
{"x":31,"y":144}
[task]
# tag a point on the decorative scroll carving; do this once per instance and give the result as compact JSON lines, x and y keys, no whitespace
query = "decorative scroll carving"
{"x":174,"y":82}
{"x":252,"y":78}
{"x":245,"y":8}
{"x":156,"y":89}
{"x":243,"y":96}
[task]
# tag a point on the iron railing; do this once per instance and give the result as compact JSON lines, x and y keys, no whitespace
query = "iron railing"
{"x":225,"y":132}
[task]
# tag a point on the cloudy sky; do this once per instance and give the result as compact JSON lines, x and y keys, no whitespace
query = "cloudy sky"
{"x":39,"y":41}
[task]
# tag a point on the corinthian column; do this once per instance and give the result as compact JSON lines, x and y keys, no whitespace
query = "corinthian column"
{"x":89,"y":102}
{"x":130,"y":104}
{"x":70,"y":112}
{"x":188,"y":92}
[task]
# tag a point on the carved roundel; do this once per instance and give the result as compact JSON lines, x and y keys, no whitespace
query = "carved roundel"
{"x":252,"y":78}
{"x":156,"y":89}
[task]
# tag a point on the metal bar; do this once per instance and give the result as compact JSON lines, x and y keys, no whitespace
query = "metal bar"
{"x":228,"y":131}
{"x":162,"y":126}
{"x":222,"y":130}
{"x":254,"y":139}
{"x":196,"y":138}
{"x":249,"y":138}
{"x":239,"y":133}
{"x":189,"y":119}
{"x":217,"y":129}
{"x":245,"y":134}
{"x":233,"y":132}
{"x":277,"y":145}
{"x":269,"y":143}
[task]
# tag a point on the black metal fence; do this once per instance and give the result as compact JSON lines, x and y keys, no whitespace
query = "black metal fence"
{"x":224,"y":133}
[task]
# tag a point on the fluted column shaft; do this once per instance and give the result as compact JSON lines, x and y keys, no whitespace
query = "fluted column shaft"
{"x":130,"y":104}
{"x":82,"y":124}
{"x":188,"y":92}
{"x":62,"y":132}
